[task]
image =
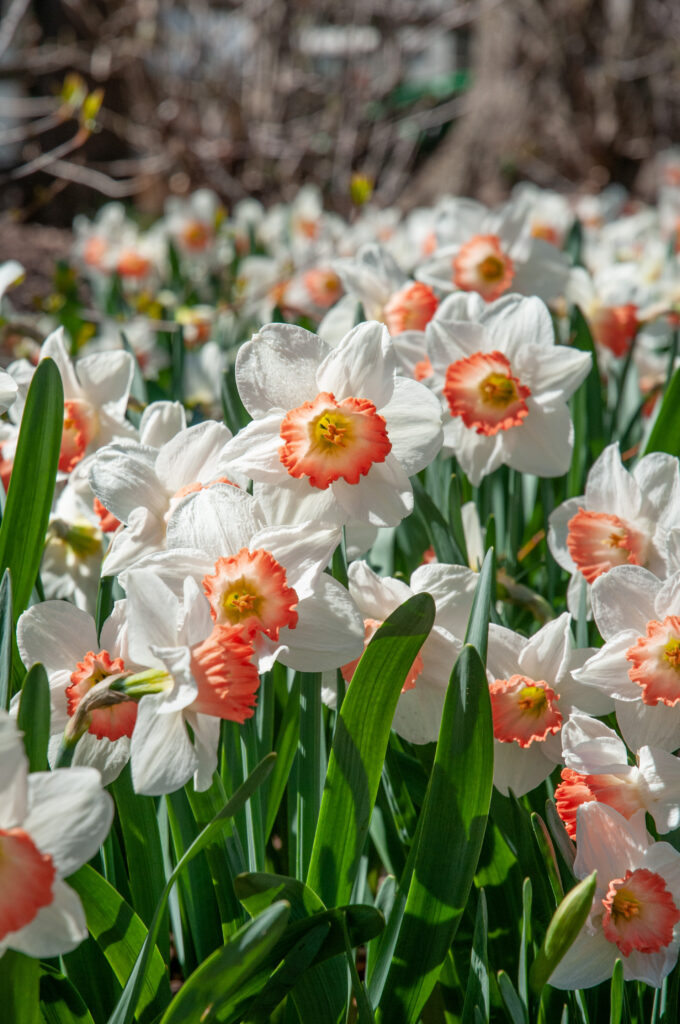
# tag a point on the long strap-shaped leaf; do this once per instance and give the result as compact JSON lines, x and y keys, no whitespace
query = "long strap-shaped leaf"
{"x":665,"y":435}
{"x":359,"y":746}
{"x":125,"y":1009}
{"x":29,"y":499}
{"x":448,"y":843}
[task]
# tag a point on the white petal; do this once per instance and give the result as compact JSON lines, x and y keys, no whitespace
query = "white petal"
{"x":519,"y":769}
{"x":219,"y":520}
{"x":383,"y":497}
{"x":277,"y":368}
{"x":13,"y":772}
{"x":505,"y":648}
{"x":254,"y":451}
{"x":105,"y":378}
{"x":413,"y":417}
{"x":57,"y":928}
{"x":329,"y":633}
{"x":54,"y":348}
{"x":546,"y":654}
{"x":657,"y":477}
{"x":560,"y":370}
{"x":361,"y":366}
{"x":144,"y":533}
{"x":304,"y":551}
{"x":610,"y":488}
{"x":558,"y":530}
{"x":161,"y":421}
{"x":588,"y":744}
{"x":542,"y":444}
{"x":642,"y":725}
{"x":515,"y":321}
{"x":69,"y":815}
{"x":195,"y":454}
{"x":375,"y":596}
{"x":162,"y":756}
{"x":123,"y":478}
{"x":152,"y":613}
{"x":607,"y":669}
{"x":56,"y":634}
{"x":624,"y":598}
{"x":588,"y":961}
{"x":453,"y":588}
{"x":607,"y":843}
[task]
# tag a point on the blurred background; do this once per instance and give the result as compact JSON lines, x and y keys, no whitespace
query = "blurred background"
{"x":141,"y":99}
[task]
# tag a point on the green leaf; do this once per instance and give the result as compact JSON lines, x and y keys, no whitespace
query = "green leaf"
{"x":359,"y":745}
{"x":294,"y":964}
{"x":34,"y":717}
{"x":438,"y":530}
{"x":60,"y":1001}
{"x":545,"y":845}
{"x":286,"y":747}
{"x":447,"y":847}
{"x":594,"y":439}
{"x":19,"y":988}
{"x":219,"y":978}
{"x":126,"y":1006}
{"x":517,"y":1011}
{"x":616,"y":994}
{"x":477,"y":632}
{"x":6,"y":640}
{"x":477,"y":991}
{"x":665,"y":434}
{"x":309,"y":768}
{"x":143,"y":852}
{"x":29,"y":499}
{"x":565,"y":925}
{"x":120,"y":934}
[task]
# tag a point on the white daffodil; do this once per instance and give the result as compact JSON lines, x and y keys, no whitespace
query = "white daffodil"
{"x":419,"y":709}
{"x":140,"y":484}
{"x":532,"y":695}
{"x":266,"y":580}
{"x":96,"y":391}
{"x":503,"y":385}
{"x":639,"y":666}
{"x":64,"y":639}
{"x":51,"y":823}
{"x":335,"y":424}
{"x":635,"y":916}
{"x":597,"y":768}
{"x":623,"y":518}
{"x":493,"y":253}
{"x":198,"y":673}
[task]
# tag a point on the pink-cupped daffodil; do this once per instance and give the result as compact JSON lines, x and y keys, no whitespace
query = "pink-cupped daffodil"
{"x":336,"y":427}
{"x":51,"y":823}
{"x":635,"y":916}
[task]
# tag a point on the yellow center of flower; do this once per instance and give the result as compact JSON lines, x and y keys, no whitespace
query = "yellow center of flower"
{"x":625,"y":905}
{"x":533,"y":700}
{"x":498,"y":390}
{"x":332,"y":430}
{"x":671,"y":653}
{"x":491,"y":268}
{"x":240,"y":601}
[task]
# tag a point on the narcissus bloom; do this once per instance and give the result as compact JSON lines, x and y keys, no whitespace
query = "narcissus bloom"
{"x":140,"y":485}
{"x":597,"y":768}
{"x":51,"y":823}
{"x":624,"y":518}
{"x":635,"y":916}
{"x":532,"y":696}
{"x":64,"y":639}
{"x":503,"y":384}
{"x":419,"y":710}
{"x":336,"y":424}
{"x":266,"y":581}
{"x":639,"y":666}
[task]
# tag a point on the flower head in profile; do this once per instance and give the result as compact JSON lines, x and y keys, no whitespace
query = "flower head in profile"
{"x":335,"y":427}
{"x":625,"y":517}
{"x":51,"y":823}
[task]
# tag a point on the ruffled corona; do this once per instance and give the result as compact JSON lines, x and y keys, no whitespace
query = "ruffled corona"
{"x":250,"y":591}
{"x":614,"y":327}
{"x":132,"y":264}
{"x":656,"y":662}
{"x":639,"y":912}
{"x":326,"y":440}
{"x":483,"y":392}
{"x":226,"y":677}
{"x":423,"y":369}
{"x":598,"y":541}
{"x":80,"y":426}
{"x":524,"y":710}
{"x":196,"y":235}
{"x":108,"y":722}
{"x":481,"y":266}
{"x":324,"y":286}
{"x":576,"y":789}
{"x":107,"y":521}
{"x":26,"y":878}
{"x":370,"y":627}
{"x":410,"y":309}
